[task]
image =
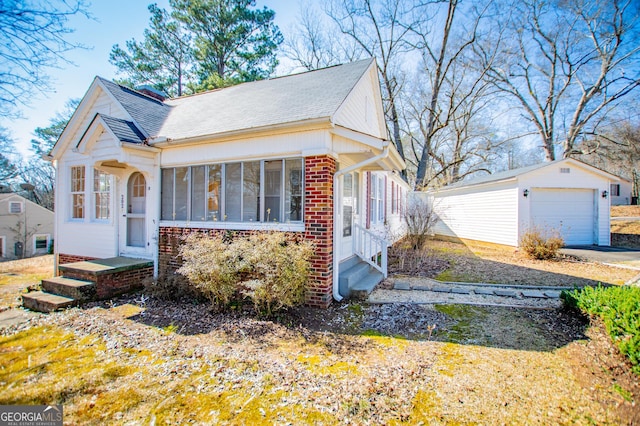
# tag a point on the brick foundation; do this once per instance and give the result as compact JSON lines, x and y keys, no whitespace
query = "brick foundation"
{"x":113,"y":284}
{"x":71,"y":258}
{"x":318,"y":219}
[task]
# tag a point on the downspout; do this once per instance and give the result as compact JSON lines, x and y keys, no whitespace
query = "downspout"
{"x":336,"y":230}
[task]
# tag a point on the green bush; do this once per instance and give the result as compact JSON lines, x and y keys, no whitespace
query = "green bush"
{"x":540,"y":245}
{"x":619,"y":309}
{"x":268,"y":268}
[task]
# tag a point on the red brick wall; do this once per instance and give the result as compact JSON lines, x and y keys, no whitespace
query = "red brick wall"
{"x":70,"y":258}
{"x":318,"y":219}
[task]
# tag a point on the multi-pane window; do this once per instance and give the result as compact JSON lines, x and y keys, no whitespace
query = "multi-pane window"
{"x":253,"y":191}
{"x":376,"y":200}
{"x":77,"y":192}
{"x":101,"y":193}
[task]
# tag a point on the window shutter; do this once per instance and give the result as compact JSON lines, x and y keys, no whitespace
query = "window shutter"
{"x":384,"y":202}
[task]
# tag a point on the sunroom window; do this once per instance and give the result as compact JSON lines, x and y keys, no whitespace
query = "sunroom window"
{"x":254,"y":191}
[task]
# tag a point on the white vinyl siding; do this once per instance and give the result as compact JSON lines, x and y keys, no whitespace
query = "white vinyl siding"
{"x":490,"y":215}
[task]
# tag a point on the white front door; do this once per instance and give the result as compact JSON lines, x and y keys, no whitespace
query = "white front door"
{"x":136,"y":211}
{"x":349,"y":213}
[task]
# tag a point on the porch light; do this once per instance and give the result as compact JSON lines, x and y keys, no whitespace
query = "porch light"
{"x":525,"y":193}
{"x":605,"y":194}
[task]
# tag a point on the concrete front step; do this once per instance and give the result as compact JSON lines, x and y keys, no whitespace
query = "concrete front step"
{"x":41,"y":301}
{"x":69,"y":287}
{"x":363,"y":288}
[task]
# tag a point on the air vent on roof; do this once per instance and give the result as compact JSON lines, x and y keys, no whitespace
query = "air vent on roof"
{"x":565,"y":170}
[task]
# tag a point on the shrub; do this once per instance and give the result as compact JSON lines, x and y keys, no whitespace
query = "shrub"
{"x":170,"y":287}
{"x":540,"y":245}
{"x":265,"y":267}
{"x":279,"y":271}
{"x":420,"y":219}
{"x":211,"y":266}
{"x":619,"y":310}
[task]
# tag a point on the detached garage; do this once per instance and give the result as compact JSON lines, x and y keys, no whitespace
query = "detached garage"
{"x":566,"y":196}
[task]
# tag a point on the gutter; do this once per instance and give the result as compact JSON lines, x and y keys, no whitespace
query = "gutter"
{"x":336,"y":194}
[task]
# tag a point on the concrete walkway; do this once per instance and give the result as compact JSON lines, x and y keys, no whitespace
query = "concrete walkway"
{"x":426,"y":290}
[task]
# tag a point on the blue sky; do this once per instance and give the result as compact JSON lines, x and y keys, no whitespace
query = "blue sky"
{"x":116,"y":21}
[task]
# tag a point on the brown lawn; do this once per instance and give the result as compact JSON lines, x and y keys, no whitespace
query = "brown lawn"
{"x":625,"y":211}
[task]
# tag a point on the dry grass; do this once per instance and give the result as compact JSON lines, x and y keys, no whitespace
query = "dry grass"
{"x":625,"y":211}
{"x":485,"y":262}
{"x":625,"y":227}
{"x":16,"y":275}
{"x":106,"y":368}
{"x":135,"y":362}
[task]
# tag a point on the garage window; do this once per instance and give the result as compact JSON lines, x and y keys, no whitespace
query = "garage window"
{"x":615,"y":190}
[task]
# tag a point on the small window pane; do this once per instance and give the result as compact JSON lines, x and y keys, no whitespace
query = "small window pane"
{"x":293,"y":190}
{"x":213,"y":192}
{"x":198,"y":200}
{"x":250,"y":191}
{"x":167,"y":194}
{"x":78,"y":206}
{"x":233,"y":192}
{"x":41,"y":242}
{"x":181,"y":193}
{"x":272,"y":190}
{"x":15,"y":207}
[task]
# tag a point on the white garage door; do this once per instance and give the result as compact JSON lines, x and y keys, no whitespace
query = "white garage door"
{"x":571,"y":211}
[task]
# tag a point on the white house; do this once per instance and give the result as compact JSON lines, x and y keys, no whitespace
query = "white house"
{"x":565,"y":196}
{"x":621,"y":192}
{"x":306,"y":153}
{"x":26,"y":228}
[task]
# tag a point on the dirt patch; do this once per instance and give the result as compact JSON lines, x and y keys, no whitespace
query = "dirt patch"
{"x":625,"y":211}
{"x":490,"y":263}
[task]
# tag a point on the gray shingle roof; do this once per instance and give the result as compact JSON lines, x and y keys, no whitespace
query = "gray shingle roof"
{"x":495,"y":177}
{"x":148,"y":113}
{"x":310,"y":95}
{"x":125,"y":131}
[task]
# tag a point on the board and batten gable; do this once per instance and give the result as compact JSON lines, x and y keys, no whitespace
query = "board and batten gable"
{"x":566,"y":175}
{"x":481,"y":212}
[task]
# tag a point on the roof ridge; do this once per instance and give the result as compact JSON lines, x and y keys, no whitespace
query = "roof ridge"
{"x":129,"y":89}
{"x":245,"y":83}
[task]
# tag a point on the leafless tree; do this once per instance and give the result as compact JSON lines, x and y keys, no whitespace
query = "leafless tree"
{"x":380,"y":29}
{"x":617,"y":151}
{"x":445,"y":136}
{"x":315,"y":42}
{"x":566,"y":64}
{"x":34,"y":39}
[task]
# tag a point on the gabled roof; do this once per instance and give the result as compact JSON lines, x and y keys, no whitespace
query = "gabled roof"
{"x":294,"y":98}
{"x":513,"y":174}
{"x":125,"y":131}
{"x":149,"y":113}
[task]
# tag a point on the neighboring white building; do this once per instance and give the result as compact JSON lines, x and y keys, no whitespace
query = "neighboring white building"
{"x":26,"y":228}
{"x":566,"y":196}
{"x":306,"y":154}
{"x":621,"y":192}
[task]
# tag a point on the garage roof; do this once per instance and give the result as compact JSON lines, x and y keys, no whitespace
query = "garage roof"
{"x":515,"y":173}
